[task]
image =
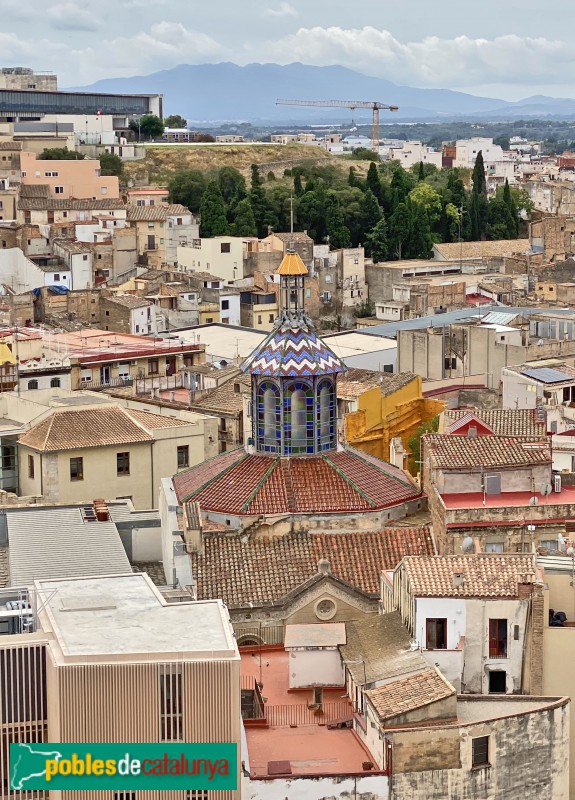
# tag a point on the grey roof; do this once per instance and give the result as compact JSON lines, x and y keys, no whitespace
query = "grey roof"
{"x":390,"y":329}
{"x":56,"y":542}
{"x":380,"y":643}
{"x":498,"y":318}
{"x":547,"y":375}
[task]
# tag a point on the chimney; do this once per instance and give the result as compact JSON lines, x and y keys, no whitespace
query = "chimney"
{"x":101,"y":510}
{"x":472,"y":432}
{"x":323,"y":567}
{"x":457,"y":580}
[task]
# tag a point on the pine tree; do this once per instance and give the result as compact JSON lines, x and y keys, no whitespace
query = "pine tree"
{"x":244,"y":223}
{"x":399,"y":231}
{"x":376,"y":243}
{"x":478,"y":209}
{"x":213,"y":212}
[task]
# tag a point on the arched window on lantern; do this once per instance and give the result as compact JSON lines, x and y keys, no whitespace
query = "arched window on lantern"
{"x":326,"y":411}
{"x":268,"y":417}
{"x":299,"y":433}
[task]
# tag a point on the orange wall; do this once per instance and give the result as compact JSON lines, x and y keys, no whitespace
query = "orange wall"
{"x":79,"y":179}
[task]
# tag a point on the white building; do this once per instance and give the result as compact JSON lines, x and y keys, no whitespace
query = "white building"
{"x":229,"y":307}
{"x":467,"y":614}
{"x":364,"y":350}
{"x":23,"y":275}
{"x":466,"y":151}
{"x":221,"y":255}
{"x":413,"y":153}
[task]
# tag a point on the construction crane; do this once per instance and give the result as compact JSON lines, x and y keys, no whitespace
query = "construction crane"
{"x":375,"y":106}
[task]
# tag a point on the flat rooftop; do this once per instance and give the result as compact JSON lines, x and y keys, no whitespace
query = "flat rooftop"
{"x":311,"y":749}
{"x":126,"y":617}
{"x":355,"y":343}
{"x":228,"y":342}
{"x":509,"y":499}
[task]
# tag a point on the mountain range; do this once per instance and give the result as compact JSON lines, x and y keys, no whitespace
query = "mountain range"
{"x":228,"y":92}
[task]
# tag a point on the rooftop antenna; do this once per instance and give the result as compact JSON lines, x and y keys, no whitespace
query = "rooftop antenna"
{"x":291,"y":212}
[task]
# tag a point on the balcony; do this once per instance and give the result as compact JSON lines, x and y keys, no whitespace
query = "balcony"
{"x":96,"y":386}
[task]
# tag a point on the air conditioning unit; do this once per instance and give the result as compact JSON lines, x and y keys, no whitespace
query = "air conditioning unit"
{"x":557,"y":483}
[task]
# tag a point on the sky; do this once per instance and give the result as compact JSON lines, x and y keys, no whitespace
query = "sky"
{"x":508,"y":49}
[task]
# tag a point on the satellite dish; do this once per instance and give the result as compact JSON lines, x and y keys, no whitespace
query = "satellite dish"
{"x":533,"y":501}
{"x":570,"y":551}
{"x":545,"y":489}
{"x":467,"y":545}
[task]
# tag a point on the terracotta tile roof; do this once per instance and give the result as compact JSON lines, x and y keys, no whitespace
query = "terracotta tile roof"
{"x":503,"y":421}
{"x":459,"y":452}
{"x":158,"y":213}
{"x":56,"y":204}
{"x":238,"y":483}
{"x":10,"y":145}
{"x":34,"y":190}
{"x":380,"y":644}
{"x":264,"y":570}
{"x":296,"y":236}
{"x":128,"y":300}
{"x":150,"y":420}
{"x":409,"y":694}
{"x":500,"y":248}
{"x":85,"y":427}
{"x":224,"y":399}
{"x":484,"y":574}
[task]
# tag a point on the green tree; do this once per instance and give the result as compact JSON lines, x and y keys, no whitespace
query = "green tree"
{"x":175,"y":121}
{"x":213,"y":212}
{"x":364,"y":154}
{"x":510,"y":204}
{"x":420,"y":243}
{"x":259,"y":202}
{"x":149,"y":126}
{"x":500,"y":221}
{"x":187,"y":186}
{"x":244,"y":223}
{"x":425,"y":195}
{"x":399,"y":231}
{"x":478,"y":206}
{"x":297,"y":185}
{"x":373,"y":182}
{"x":60,"y":154}
{"x":311,"y":213}
{"x":111,"y":164}
{"x":414,"y":443}
{"x":402,"y":183}
{"x":376,"y":242}
{"x":337,"y":231}
{"x":421,"y":172}
{"x":232,"y":185}
{"x":369,"y":211}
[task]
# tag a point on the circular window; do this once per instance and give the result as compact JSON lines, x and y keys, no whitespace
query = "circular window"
{"x":325,"y":609}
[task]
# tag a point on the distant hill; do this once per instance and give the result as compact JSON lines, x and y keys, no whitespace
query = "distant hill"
{"x":226,"y":92}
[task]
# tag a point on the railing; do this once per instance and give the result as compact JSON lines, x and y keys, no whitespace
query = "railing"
{"x":497,"y":649}
{"x":110,"y":383}
{"x":251,"y":635}
{"x":288,"y":715}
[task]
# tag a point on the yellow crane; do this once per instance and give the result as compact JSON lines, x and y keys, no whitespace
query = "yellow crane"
{"x":375,"y":106}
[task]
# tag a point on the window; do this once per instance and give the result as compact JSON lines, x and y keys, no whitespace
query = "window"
{"x":225,"y":305}
{"x":56,"y":276}
{"x":171,"y":706}
{"x":31,"y":467}
{"x":271,"y":318}
{"x":55,"y":383}
{"x":183,"y":456}
{"x":123,"y":463}
{"x":104,"y":189}
{"x":197,"y":794}
{"x":436,"y":634}
{"x":550,"y":544}
{"x":32,"y":384}
{"x":84,"y":258}
{"x":8,"y":458}
{"x":480,"y":751}
{"x":153,"y":366}
{"x":58,"y":189}
{"x":494,"y":547}
{"x":77,"y":469}
{"x":225,"y":247}
{"x":497,"y":638}
{"x":124,"y":795}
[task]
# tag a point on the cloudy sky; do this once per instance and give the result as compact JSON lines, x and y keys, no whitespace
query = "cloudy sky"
{"x":499,"y":48}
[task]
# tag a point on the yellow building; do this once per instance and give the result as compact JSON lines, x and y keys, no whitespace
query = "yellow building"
{"x":377,"y":408}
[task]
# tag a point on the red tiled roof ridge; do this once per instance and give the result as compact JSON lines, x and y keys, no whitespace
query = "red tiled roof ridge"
{"x":350,"y":480}
{"x":212,"y":478}
{"x":382,"y":466}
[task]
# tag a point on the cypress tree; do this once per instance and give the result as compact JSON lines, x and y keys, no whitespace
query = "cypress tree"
{"x":399,"y":231}
{"x":421,"y":173}
{"x":510,"y":203}
{"x":478,"y":210}
{"x":373,"y":182}
{"x":213,"y":212}
{"x":244,"y":223}
{"x":337,"y":231}
{"x":376,"y":243}
{"x":369,"y":212}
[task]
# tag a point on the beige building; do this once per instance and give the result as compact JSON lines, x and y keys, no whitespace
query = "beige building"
{"x":68,"y":178}
{"x":128,"y":667}
{"x":221,"y":255}
{"x":161,"y":230}
{"x":76,"y":454}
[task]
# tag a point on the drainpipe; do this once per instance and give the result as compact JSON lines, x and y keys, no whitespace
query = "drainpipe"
{"x":152,"y":472}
